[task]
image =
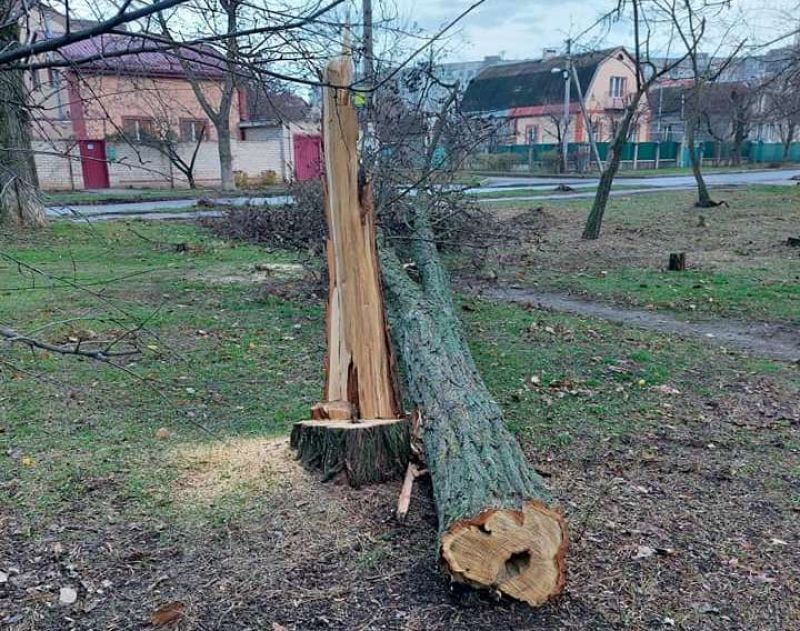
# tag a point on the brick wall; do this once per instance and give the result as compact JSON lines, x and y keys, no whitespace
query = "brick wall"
{"x":58,"y":165}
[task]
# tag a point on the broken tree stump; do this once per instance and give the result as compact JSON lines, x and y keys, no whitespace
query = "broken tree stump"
{"x":677,"y":262}
{"x":497,"y":528}
{"x":356,"y":429}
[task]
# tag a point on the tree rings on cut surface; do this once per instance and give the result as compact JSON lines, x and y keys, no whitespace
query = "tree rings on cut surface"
{"x":520,"y":553}
{"x":365,"y":452}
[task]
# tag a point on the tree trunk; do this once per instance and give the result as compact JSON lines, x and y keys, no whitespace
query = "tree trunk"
{"x":20,"y":204}
{"x":594,"y":222}
{"x":496,"y":528}
{"x":703,"y":197}
{"x":225,"y":156}
{"x":677,"y":262}
{"x":787,"y":144}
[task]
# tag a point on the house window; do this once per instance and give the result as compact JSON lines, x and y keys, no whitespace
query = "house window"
{"x":54,"y":77}
{"x":617,"y":86}
{"x":193,"y":130}
{"x":138,"y":128}
{"x":36,"y":80}
{"x":532,"y":134}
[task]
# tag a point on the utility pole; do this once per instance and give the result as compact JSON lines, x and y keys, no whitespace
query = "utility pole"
{"x":367,"y":74}
{"x":368,"y":68}
{"x":565,"y":123}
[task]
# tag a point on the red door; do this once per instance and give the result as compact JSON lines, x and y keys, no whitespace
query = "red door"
{"x":307,"y":156}
{"x":93,"y":163}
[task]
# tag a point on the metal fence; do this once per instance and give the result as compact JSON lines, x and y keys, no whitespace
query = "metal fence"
{"x":649,"y":155}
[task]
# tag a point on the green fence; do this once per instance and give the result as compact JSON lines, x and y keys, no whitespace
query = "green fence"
{"x":646,"y":154}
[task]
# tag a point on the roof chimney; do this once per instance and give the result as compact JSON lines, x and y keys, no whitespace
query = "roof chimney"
{"x":549,"y":53}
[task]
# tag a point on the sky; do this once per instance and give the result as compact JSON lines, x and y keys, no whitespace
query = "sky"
{"x":522,"y":28}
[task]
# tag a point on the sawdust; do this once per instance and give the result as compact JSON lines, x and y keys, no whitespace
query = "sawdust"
{"x":256,"y":274}
{"x":211,"y":471}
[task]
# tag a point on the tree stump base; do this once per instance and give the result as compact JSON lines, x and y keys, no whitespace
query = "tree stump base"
{"x":366,"y":452}
{"x":677,"y":262}
{"x":520,"y":553}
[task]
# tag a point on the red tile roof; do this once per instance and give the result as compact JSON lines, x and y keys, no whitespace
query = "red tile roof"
{"x":128,"y":54}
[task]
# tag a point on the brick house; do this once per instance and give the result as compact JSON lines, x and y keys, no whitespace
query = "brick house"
{"x":104,"y":98}
{"x":529,"y":97}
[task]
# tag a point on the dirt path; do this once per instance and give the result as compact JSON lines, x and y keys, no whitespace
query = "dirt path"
{"x":772,"y":341}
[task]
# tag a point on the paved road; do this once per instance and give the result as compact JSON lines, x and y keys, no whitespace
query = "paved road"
{"x":182,"y":208}
{"x":167,"y":207}
{"x":771,"y":176}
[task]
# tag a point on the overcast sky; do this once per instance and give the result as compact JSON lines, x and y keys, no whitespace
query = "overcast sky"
{"x":521,"y":28}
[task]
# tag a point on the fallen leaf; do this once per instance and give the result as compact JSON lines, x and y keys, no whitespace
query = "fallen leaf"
{"x":27,"y":462}
{"x":3,"y":578}
{"x":168,"y":613}
{"x":67,"y":595}
{"x":644,"y":552}
{"x":162,"y":433}
{"x":778,"y":542}
{"x":278,"y":627}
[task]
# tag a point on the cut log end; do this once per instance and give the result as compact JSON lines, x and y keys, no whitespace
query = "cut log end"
{"x":520,"y":553}
{"x":365,"y":452}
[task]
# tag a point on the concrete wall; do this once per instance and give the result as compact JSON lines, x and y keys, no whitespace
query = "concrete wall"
{"x":136,"y":166}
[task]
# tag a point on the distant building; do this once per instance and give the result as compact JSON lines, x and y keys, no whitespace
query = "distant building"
{"x":106,"y":102}
{"x":529,"y":97}
{"x":428,"y":93}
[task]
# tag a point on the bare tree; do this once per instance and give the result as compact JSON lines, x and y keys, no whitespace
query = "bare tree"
{"x":643,"y":17}
{"x":780,"y":104}
{"x":728,"y":111}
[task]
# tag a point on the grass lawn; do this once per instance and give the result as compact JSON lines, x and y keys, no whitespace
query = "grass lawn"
{"x":649,"y":442}
{"x":739,"y":262}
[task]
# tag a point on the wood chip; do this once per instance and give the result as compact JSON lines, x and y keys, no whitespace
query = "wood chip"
{"x":168,"y":613}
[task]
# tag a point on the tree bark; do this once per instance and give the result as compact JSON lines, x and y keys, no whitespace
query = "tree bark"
{"x":20,"y":204}
{"x":703,"y":197}
{"x":594,"y":221}
{"x":225,"y":156}
{"x":497,"y":530}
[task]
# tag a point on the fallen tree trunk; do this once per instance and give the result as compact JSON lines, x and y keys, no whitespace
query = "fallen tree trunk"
{"x":497,"y":530}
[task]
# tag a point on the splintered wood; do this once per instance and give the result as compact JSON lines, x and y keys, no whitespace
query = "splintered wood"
{"x":358,"y":370}
{"x":355,"y":430}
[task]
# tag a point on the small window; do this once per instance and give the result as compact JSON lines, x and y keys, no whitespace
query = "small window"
{"x":36,"y":80}
{"x":617,"y":87}
{"x":193,"y":130}
{"x":54,"y":77}
{"x":532,"y":134}
{"x":138,"y":129}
